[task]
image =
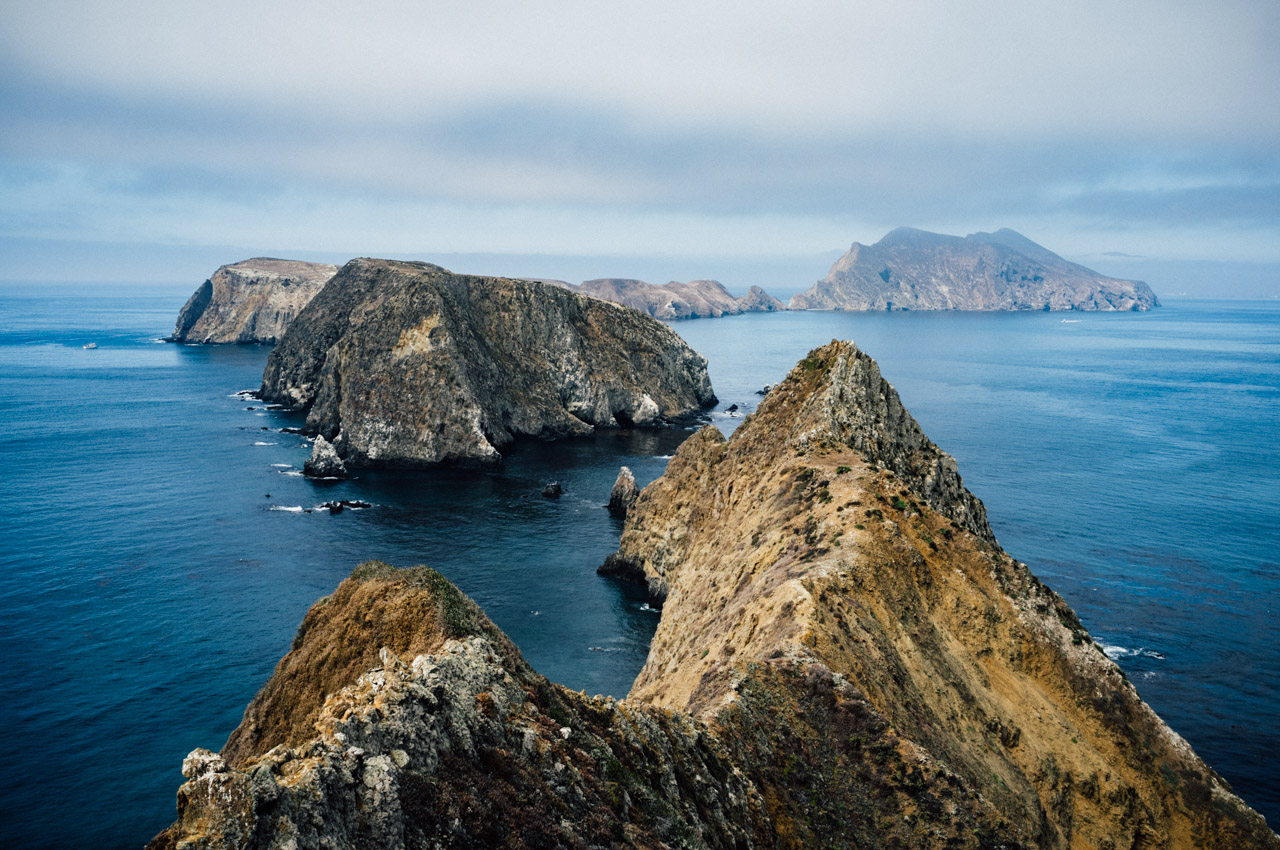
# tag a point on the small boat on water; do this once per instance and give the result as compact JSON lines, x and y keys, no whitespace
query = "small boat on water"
{"x":91,"y":345}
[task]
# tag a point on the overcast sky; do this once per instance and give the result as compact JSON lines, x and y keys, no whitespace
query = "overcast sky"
{"x":733,"y":129}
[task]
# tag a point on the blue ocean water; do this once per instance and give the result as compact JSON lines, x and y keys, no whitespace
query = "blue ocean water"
{"x":148,"y":583}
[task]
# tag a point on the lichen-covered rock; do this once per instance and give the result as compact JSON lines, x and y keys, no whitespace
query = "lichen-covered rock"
{"x":250,"y":301}
{"x":915,"y":270}
{"x":404,"y":364}
{"x":624,"y":493}
{"x":324,"y":461}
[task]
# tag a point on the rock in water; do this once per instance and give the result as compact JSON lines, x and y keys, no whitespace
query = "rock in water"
{"x":624,"y":493}
{"x":553,"y":490}
{"x":845,"y":658}
{"x":408,"y":364}
{"x":324,"y":461}
{"x":250,"y":301}
{"x":915,"y":270}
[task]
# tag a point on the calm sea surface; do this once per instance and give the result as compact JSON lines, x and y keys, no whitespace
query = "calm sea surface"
{"x":156,"y":555}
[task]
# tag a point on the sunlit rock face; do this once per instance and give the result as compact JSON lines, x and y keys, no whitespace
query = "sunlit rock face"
{"x":250,"y":302}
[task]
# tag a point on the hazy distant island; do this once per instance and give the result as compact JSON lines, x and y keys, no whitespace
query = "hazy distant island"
{"x":845,"y":658}
{"x":251,"y":301}
{"x":408,"y":364}
{"x":698,"y":299}
{"x":916,"y":270}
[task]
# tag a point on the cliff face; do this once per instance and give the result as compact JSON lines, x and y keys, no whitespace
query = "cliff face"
{"x":915,"y":270}
{"x":830,"y":531}
{"x":699,"y":299}
{"x":250,"y":301}
{"x":409,"y":364}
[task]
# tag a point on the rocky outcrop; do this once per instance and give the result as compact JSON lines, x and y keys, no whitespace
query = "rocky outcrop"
{"x":699,"y":299}
{"x":915,"y":270}
{"x":408,"y":364}
{"x":845,"y":659}
{"x":250,"y":301}
{"x":324,"y":461}
{"x":624,"y":493}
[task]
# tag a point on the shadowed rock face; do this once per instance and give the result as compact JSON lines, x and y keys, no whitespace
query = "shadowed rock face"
{"x":845,"y":659}
{"x":409,"y":364}
{"x":250,"y":301}
{"x":915,"y":270}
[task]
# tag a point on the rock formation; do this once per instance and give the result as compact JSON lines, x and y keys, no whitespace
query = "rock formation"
{"x":845,"y":659}
{"x":699,"y":299}
{"x":624,"y":493}
{"x":915,"y":270}
{"x":250,"y":301}
{"x":324,"y":461}
{"x":409,"y":364}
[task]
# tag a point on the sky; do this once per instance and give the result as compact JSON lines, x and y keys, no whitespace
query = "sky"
{"x":156,"y":140}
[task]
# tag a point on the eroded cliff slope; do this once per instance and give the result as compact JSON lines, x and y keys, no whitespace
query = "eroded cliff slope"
{"x":698,"y":299}
{"x":915,"y":270}
{"x":250,"y":301}
{"x":409,"y":364}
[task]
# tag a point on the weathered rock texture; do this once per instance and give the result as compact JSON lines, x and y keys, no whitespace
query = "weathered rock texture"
{"x":624,"y":493}
{"x":250,"y":301}
{"x":915,"y":270}
{"x":699,"y":299}
{"x":409,"y":364}
{"x":844,"y":660}
{"x":324,"y":461}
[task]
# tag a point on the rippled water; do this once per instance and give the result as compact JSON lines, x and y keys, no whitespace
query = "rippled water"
{"x":148,"y":584}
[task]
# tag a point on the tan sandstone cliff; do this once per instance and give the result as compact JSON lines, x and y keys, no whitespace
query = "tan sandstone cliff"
{"x":845,"y":659}
{"x":250,"y":301}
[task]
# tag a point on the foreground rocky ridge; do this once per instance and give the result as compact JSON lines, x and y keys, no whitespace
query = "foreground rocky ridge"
{"x":252,"y":301}
{"x":915,"y":270}
{"x":845,"y":658}
{"x":698,"y":299}
{"x":406,"y":364}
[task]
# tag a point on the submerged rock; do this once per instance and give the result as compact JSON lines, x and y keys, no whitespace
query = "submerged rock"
{"x":624,"y":493}
{"x":846,"y":658}
{"x":324,"y":461}
{"x":407,"y":364}
{"x":252,"y":301}
{"x":915,"y":270}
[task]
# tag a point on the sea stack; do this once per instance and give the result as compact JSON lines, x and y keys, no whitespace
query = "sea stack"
{"x":252,"y":301}
{"x":916,"y":270}
{"x":408,"y":364}
{"x":624,"y":493}
{"x":846,"y":658}
{"x":324,"y":461}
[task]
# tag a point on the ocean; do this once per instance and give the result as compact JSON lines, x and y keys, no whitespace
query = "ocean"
{"x":159,"y":546}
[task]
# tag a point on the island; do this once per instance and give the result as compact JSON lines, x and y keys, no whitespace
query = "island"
{"x":251,"y":301}
{"x":916,"y":270}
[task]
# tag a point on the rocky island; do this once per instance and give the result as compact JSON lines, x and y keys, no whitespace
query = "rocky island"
{"x":699,"y":299}
{"x":408,"y":364}
{"x":252,"y":301}
{"x":916,"y":270}
{"x":846,"y":658}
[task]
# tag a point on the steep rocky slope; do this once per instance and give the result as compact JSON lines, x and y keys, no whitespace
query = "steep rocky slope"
{"x":845,"y":659}
{"x":409,"y":364}
{"x":915,"y":270}
{"x":250,"y":301}
{"x":699,"y":299}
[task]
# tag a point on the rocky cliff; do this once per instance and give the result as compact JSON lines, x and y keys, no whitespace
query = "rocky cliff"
{"x":915,"y":270}
{"x":409,"y":364}
{"x":250,"y":301}
{"x":699,"y":299}
{"x":845,"y":659}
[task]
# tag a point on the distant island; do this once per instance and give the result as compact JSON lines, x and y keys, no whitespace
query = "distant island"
{"x":916,"y":270}
{"x":698,"y":299}
{"x":251,"y":301}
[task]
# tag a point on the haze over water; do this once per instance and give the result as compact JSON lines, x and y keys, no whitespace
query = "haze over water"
{"x":148,"y":584}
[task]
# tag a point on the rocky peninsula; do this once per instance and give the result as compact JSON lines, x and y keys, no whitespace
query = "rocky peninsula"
{"x":409,"y":364}
{"x":251,"y":301}
{"x":698,"y":299}
{"x":916,"y":270}
{"x":846,"y":658}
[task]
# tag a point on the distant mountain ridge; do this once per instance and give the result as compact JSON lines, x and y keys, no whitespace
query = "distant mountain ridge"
{"x":913,"y":269}
{"x":698,"y":299}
